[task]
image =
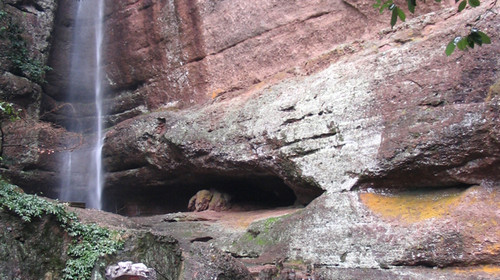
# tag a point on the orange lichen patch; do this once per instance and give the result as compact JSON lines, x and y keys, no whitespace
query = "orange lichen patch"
{"x":488,"y":269}
{"x":491,"y":269}
{"x":493,"y":249}
{"x":494,"y":90}
{"x":216,"y":93}
{"x":412,"y":206}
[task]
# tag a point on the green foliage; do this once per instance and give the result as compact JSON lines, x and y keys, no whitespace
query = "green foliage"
{"x":396,"y":11}
{"x":90,"y":242}
{"x":17,"y":51}
{"x":462,"y":5}
{"x":474,"y":3}
{"x":7,"y":110}
{"x":475,"y":37}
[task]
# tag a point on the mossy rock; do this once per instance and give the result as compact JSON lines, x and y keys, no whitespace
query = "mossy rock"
{"x":35,"y":250}
{"x":259,"y":237}
{"x":159,"y":252}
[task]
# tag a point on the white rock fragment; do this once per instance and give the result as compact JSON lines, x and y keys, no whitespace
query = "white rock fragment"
{"x":123,"y":269}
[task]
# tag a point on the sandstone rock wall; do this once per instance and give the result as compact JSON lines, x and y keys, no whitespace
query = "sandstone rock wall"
{"x":403,"y":140}
{"x":35,"y":19}
{"x":393,"y":146}
{"x":184,"y":52}
{"x":24,"y":140}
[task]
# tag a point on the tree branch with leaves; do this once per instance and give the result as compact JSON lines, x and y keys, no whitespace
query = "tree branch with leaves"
{"x":475,"y":36}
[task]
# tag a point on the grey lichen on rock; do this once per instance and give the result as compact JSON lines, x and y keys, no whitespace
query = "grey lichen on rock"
{"x":204,"y":261}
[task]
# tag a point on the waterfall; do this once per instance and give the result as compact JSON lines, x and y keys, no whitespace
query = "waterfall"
{"x":82,"y":174}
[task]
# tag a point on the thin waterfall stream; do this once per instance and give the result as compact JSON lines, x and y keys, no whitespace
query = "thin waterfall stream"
{"x":82,"y":172}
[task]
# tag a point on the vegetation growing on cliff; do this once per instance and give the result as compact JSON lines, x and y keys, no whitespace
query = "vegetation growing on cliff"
{"x":17,"y":53}
{"x":7,"y":111}
{"x":90,"y":242}
{"x":475,"y":36}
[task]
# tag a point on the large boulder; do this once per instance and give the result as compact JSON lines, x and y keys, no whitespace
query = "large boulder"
{"x":209,"y":200}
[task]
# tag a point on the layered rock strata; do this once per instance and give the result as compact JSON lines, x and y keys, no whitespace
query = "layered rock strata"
{"x":403,"y":140}
{"x":392,"y":147}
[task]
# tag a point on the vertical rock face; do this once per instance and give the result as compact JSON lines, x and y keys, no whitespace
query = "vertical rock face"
{"x":34,"y":19}
{"x":181,"y":53}
{"x":21,"y":245}
{"x":194,"y":50}
{"x":190,"y":51}
{"x":393,"y":146}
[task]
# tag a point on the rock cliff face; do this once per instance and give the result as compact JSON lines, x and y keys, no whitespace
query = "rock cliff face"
{"x":392,"y":147}
{"x":36,"y":18}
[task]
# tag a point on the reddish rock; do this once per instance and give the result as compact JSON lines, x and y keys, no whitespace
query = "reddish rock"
{"x":41,"y":146}
{"x":371,"y":132}
{"x":447,"y":131}
{"x":209,"y":200}
{"x":188,"y":55}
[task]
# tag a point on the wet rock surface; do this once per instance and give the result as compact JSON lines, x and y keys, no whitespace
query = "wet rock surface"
{"x":385,"y":151}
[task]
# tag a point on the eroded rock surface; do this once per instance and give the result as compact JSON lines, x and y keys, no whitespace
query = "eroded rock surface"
{"x":171,"y":54}
{"x":392,"y":147}
{"x":394,"y":116}
{"x":38,"y":250}
{"x":35,"y":21}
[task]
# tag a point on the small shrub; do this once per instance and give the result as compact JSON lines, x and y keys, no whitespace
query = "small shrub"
{"x":90,"y":242}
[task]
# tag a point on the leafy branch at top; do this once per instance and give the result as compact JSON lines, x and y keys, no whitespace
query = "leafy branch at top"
{"x":475,"y":37}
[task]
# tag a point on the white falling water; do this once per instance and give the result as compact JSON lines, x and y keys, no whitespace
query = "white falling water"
{"x":82,"y":174}
{"x":98,"y":104}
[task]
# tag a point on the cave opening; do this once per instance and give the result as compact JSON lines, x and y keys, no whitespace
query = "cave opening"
{"x":245,"y":192}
